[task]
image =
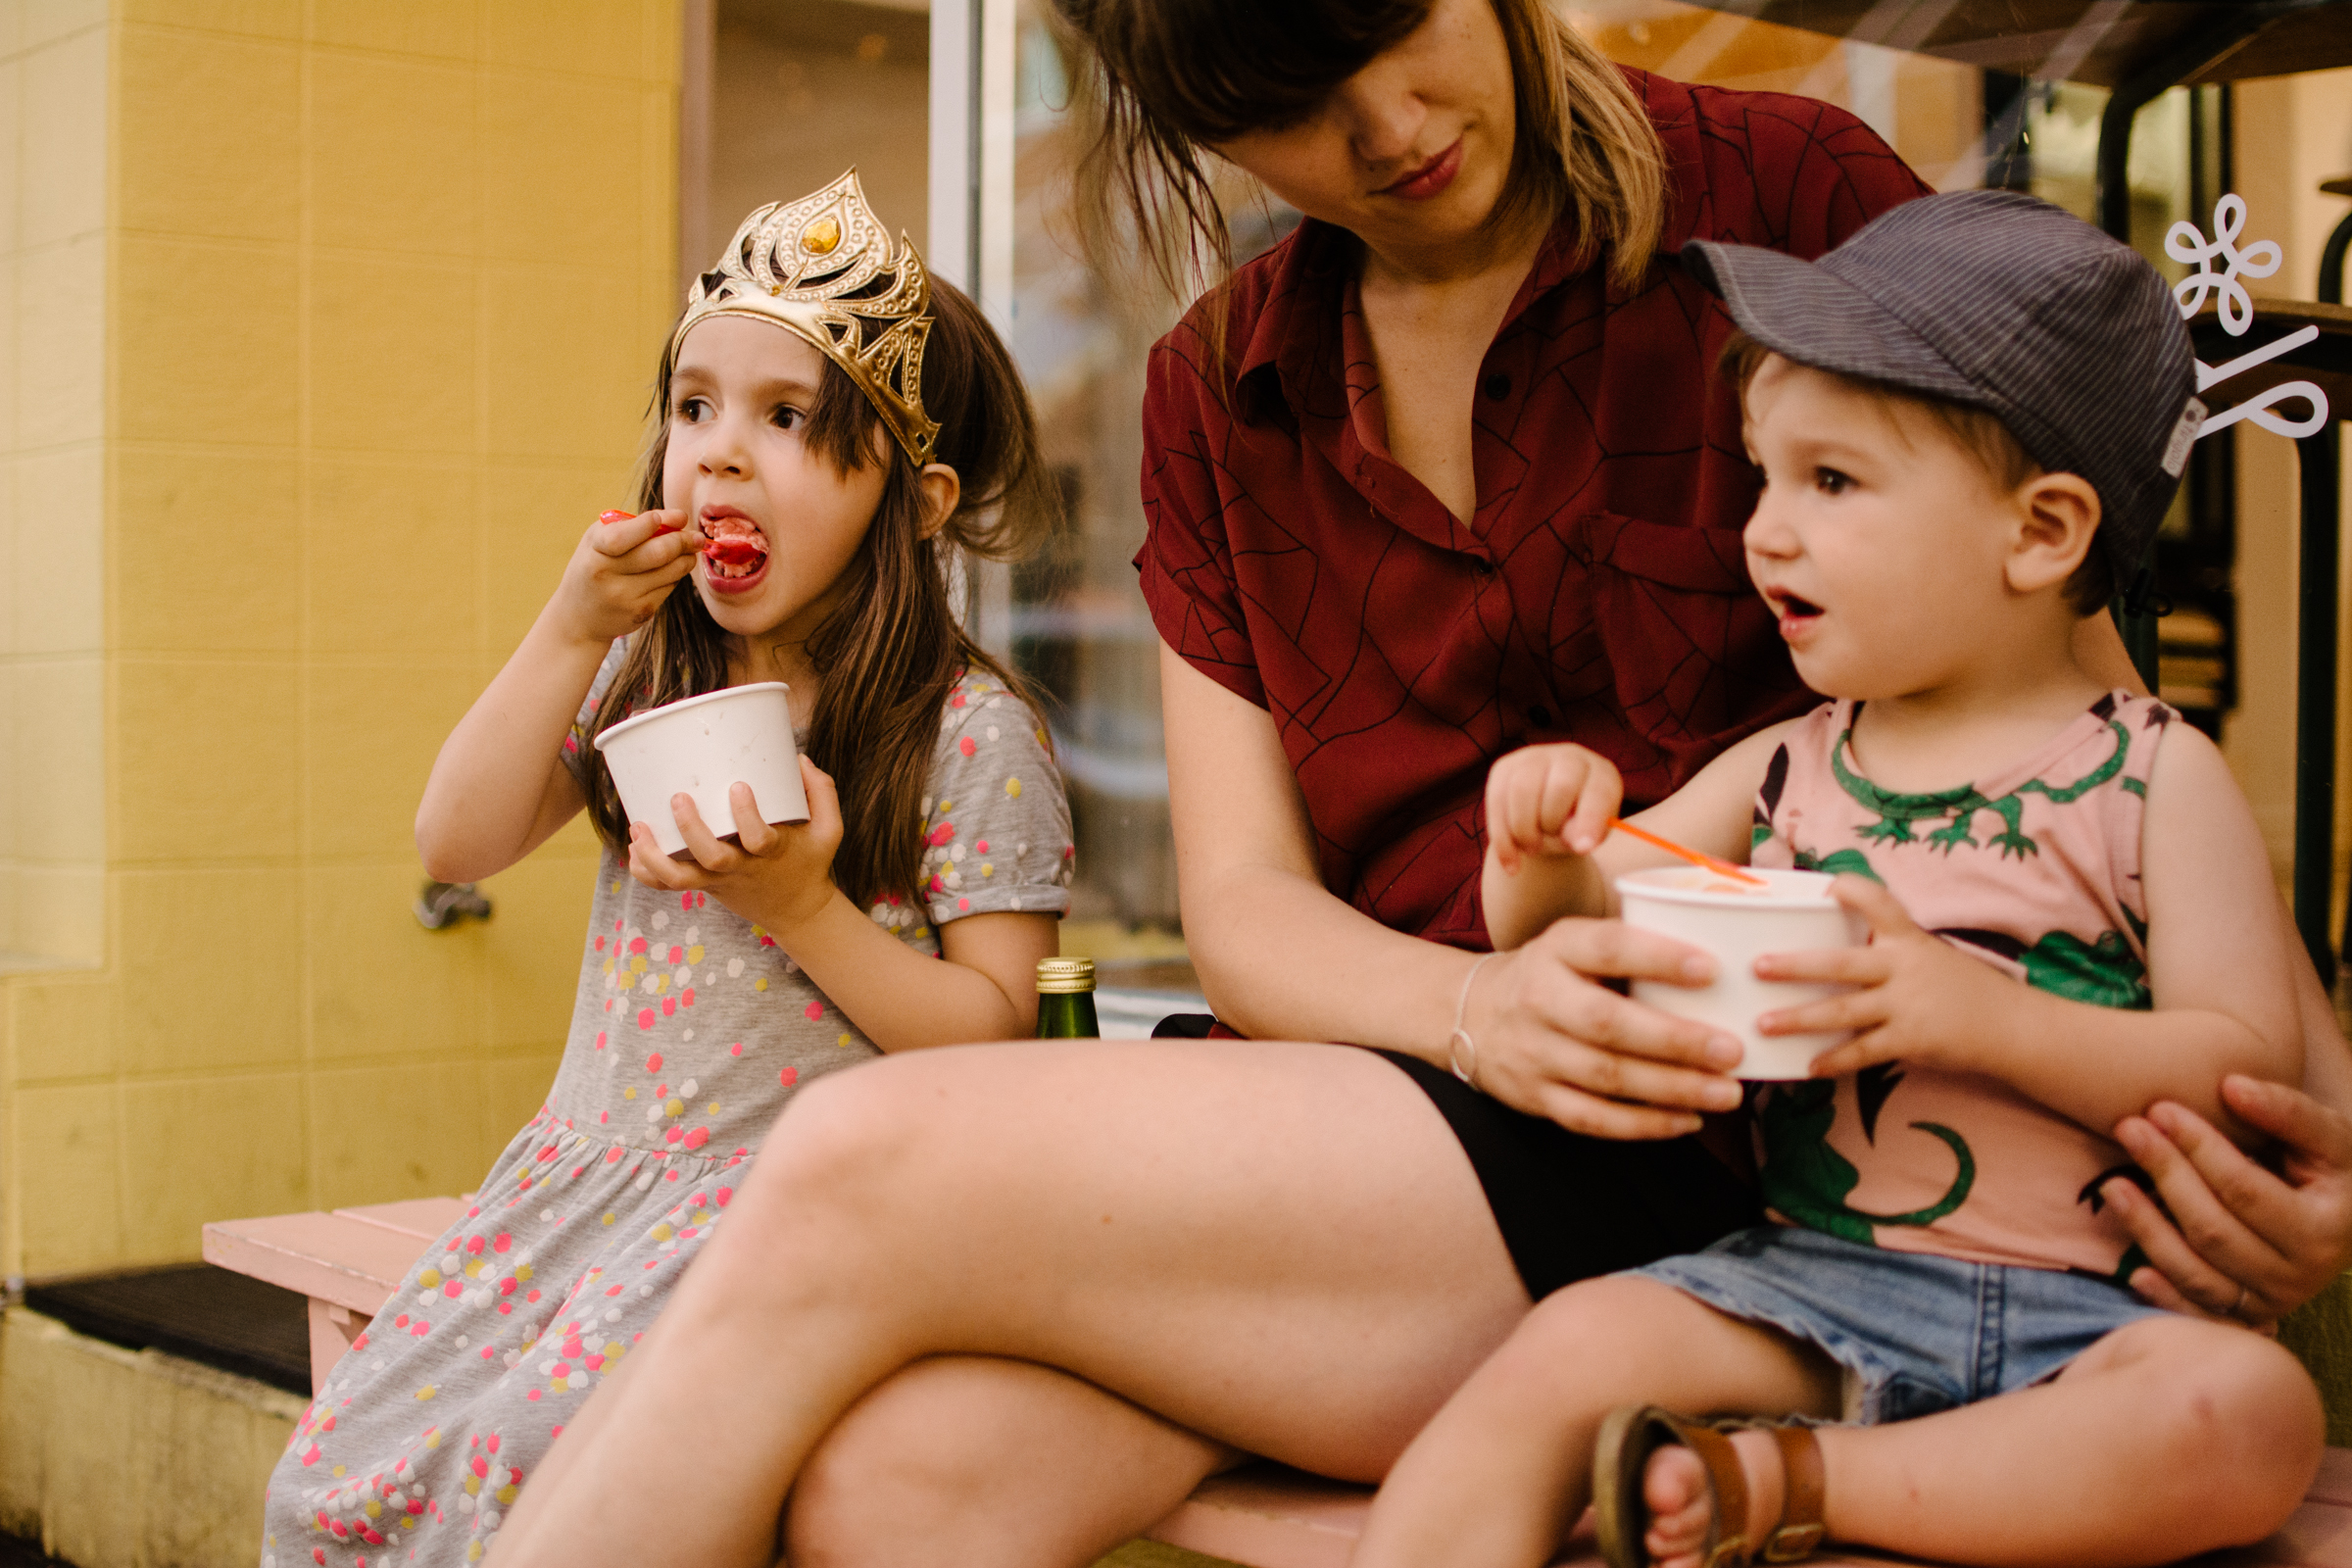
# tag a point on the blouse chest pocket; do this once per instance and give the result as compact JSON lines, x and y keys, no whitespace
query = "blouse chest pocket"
{"x":1692,"y":652}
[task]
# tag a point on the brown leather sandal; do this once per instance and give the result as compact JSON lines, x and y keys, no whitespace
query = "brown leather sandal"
{"x":1621,"y":1461}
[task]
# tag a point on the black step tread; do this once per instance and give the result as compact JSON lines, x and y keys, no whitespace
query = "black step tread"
{"x":202,"y":1314}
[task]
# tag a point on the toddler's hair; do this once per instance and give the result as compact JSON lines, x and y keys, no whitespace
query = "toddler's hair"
{"x":2002,"y":458}
{"x":892,"y":649}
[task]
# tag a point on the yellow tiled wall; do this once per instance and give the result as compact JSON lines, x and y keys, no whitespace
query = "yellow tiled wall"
{"x":333,"y":323}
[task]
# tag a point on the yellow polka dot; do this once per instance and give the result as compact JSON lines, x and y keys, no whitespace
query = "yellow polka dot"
{"x":609,"y":967}
{"x":1012,"y":787}
{"x":988,"y":868}
{"x":702,"y":1216}
{"x":614,"y":1349}
{"x":844,"y":1041}
{"x":473,"y":1552}
{"x":474,"y":1270}
{"x":473,"y":1486}
{"x":432,"y":1438}
{"x":609,"y":1218}
{"x":945,"y":808}
{"x":429,"y":1278}
{"x":713,"y":1108}
{"x":760,"y":984}
{"x":375,"y":1509}
{"x":408,"y":1521}
{"x":1041,"y":736}
{"x":427,"y":1392}
{"x":628,"y":1094}
{"x":505,"y":1495}
{"x":694,"y":954}
{"x":616,"y":887}
{"x":676,"y":1107}
{"x":637,"y":964}
{"x":661,"y":984}
{"x":758,"y":932}
{"x":522,"y":1271}
{"x":339,"y":1468}
{"x":662,"y":1231}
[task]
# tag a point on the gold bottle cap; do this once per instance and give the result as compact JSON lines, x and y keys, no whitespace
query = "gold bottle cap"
{"x":1064,"y":976}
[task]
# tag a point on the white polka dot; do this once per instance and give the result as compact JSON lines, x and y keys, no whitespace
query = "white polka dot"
{"x":547,"y":1213}
{"x":683,"y":976}
{"x":661,"y":921}
{"x":734,"y":968}
{"x":689,"y":1088}
{"x":693,"y":934}
{"x":688,"y":1035}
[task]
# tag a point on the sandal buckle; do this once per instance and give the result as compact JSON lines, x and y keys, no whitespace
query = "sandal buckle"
{"x":1730,"y":1553}
{"x":1791,"y":1543}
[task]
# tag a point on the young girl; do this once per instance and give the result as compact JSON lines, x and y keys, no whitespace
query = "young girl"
{"x":831,"y":423}
{"x":1969,"y":420}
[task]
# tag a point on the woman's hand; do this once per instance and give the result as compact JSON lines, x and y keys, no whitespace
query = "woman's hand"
{"x":1552,"y":1041}
{"x":2241,"y":1241}
{"x":777,"y":876}
{"x":621,"y":571}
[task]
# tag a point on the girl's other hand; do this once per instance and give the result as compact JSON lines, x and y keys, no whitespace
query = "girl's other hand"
{"x":1552,"y":1041}
{"x":2242,"y":1241}
{"x":1917,"y":997}
{"x":776,"y":875}
{"x":1550,"y":801}
{"x":621,"y":571}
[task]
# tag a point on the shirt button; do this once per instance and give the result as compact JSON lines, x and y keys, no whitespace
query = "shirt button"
{"x":1499,"y":387}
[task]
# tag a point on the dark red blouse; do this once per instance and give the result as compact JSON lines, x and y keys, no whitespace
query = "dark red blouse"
{"x":1600,"y":595}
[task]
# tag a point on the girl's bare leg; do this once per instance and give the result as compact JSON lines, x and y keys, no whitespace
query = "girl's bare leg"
{"x":988,"y":1463}
{"x":2167,"y":1438}
{"x":1280,"y":1246}
{"x":1505,"y":1470}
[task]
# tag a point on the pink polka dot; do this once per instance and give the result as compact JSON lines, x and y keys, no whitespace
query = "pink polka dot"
{"x":789,"y":1076}
{"x":645,"y":1017}
{"x":600,"y":1040}
{"x":672,"y":1136}
{"x":945,"y":833}
{"x":677,"y":955}
{"x":698,"y":1138}
{"x":653,"y":1063}
{"x":964,"y":903}
{"x":814,"y":1010}
{"x":685,"y":901}
{"x":965,"y":746}
{"x":670,"y":1006}
{"x":600,"y":943}
{"x":982,"y":846}
{"x":639,"y":945}
{"x":722,"y":1194}
{"x":735,"y":1050}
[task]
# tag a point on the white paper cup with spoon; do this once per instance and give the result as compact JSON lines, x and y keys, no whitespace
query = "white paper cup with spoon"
{"x":701,"y":746}
{"x":1737,"y":923}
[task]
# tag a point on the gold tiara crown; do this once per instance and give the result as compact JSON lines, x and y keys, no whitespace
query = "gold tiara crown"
{"x":823,"y":267}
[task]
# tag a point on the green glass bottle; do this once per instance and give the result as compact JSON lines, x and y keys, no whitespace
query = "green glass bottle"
{"x":1066,"y":999}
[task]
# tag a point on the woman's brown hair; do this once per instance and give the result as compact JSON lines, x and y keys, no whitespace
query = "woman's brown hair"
{"x":1166,"y":76}
{"x":889,"y":653}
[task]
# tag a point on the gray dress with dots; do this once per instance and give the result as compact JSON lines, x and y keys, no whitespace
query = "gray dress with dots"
{"x":691,"y":1031}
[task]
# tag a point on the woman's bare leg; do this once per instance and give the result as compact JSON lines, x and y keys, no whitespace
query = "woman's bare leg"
{"x":988,"y":1463}
{"x":2169,"y":1437}
{"x":1280,"y":1246}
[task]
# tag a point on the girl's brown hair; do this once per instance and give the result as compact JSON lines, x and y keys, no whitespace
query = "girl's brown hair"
{"x":892,"y":650}
{"x":1165,"y":76}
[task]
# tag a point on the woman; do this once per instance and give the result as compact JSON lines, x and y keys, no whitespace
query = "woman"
{"x":1441,"y":475}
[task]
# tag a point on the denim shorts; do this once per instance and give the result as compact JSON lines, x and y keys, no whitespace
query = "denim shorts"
{"x":1915,"y":1332}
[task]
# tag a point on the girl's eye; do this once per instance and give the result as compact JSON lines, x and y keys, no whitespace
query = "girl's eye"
{"x":1830,"y":482}
{"x":787,"y":417}
{"x":692,"y":411}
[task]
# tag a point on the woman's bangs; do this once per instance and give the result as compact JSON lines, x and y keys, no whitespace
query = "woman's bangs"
{"x":1273,"y":60}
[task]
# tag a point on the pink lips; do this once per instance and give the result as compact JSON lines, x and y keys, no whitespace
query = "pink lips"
{"x":1430,"y":178}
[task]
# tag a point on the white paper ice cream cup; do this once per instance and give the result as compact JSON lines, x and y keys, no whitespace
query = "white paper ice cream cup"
{"x":701,"y":746}
{"x":1793,"y":912}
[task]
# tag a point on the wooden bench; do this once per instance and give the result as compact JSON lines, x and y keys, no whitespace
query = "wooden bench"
{"x":1261,"y":1515}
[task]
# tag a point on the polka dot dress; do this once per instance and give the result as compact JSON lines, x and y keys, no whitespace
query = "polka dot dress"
{"x":690,"y":1031}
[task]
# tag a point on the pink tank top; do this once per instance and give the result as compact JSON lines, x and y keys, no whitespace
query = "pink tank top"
{"x":2034,"y":870}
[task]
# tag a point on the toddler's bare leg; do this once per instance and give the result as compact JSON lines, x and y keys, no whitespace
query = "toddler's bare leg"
{"x":1504,"y":1469}
{"x":2167,"y":1438}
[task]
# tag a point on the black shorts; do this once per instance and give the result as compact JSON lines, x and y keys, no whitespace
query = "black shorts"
{"x":1570,"y":1205}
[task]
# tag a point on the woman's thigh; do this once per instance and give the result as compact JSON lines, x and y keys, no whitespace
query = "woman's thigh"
{"x":1281,"y":1246}
{"x":990,"y":1463}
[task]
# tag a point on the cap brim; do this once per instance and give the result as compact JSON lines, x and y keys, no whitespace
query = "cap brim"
{"x":1803,"y":313}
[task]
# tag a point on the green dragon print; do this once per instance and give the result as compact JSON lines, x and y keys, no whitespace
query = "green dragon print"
{"x":1807,"y":1181}
{"x":2105,"y":972}
{"x":1896,"y":812}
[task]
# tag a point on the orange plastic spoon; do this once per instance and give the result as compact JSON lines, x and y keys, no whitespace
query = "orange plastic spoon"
{"x":1694,"y":856}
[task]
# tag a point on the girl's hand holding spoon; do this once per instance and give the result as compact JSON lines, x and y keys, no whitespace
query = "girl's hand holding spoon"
{"x":622,"y":570}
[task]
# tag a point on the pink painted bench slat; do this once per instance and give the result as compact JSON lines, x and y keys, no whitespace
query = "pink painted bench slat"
{"x":1262,"y":1515}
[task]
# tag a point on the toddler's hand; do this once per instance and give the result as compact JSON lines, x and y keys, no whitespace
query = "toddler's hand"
{"x":776,"y":875}
{"x":1920,"y":998}
{"x":1550,"y":801}
{"x":621,"y":571}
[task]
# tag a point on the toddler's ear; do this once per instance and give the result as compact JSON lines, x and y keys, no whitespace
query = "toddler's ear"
{"x":2058,"y":518}
{"x":942,"y":489}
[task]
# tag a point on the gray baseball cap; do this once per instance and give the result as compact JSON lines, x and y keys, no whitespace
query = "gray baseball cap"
{"x":1997,"y":301}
